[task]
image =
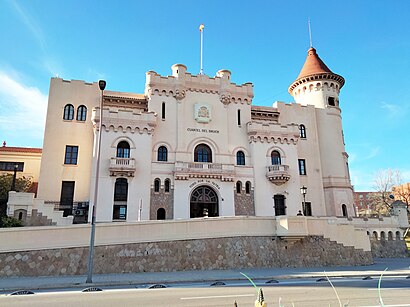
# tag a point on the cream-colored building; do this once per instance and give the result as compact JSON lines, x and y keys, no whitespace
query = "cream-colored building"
{"x":194,"y":146}
{"x":25,"y":160}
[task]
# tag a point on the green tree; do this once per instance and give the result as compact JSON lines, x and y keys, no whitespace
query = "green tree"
{"x":8,"y":221}
{"x":23,"y":184}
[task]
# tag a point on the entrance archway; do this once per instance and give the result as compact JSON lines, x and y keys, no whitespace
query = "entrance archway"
{"x":204,"y":202}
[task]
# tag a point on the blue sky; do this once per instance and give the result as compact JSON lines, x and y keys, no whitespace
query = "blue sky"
{"x":263,"y":42}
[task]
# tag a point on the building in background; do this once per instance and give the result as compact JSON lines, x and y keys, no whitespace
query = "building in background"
{"x":26,"y":161}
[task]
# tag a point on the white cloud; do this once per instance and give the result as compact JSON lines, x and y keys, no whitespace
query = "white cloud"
{"x":23,"y":111}
{"x":30,"y":23}
{"x":394,"y":111}
{"x":362,"y":181}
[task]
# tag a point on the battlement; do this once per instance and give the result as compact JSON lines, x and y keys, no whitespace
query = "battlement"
{"x":57,"y":79}
{"x":182,"y":81}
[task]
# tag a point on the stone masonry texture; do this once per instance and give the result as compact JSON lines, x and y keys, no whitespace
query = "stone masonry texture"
{"x":389,"y":249}
{"x":244,"y":203}
{"x":164,"y":200}
{"x":203,"y":254}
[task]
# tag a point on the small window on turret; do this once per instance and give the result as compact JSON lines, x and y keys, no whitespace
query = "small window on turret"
{"x":331,"y":101}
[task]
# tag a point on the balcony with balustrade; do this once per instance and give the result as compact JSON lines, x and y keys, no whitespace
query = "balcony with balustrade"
{"x":278,"y":174}
{"x":122,"y":167}
{"x":186,"y":170}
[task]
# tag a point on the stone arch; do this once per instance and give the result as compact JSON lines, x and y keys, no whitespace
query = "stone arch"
{"x":390,"y":236}
{"x":204,"y":202}
{"x":382,"y":235}
{"x":375,"y":235}
{"x":398,"y":235}
{"x":204,"y":140}
{"x":116,"y":141}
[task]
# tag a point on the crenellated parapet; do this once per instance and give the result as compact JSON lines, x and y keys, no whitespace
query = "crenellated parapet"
{"x":271,"y":132}
{"x":182,"y":82}
{"x":125,"y":120}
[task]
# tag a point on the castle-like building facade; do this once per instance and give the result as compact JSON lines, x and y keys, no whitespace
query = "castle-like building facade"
{"x":194,"y":146}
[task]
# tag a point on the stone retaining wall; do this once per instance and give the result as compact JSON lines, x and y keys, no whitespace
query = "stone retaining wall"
{"x":202,"y":254}
{"x":389,"y":249}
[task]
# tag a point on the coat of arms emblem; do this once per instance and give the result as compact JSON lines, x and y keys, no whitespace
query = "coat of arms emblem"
{"x":202,"y":113}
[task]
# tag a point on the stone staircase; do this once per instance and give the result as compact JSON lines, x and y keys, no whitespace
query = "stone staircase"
{"x":295,"y":228}
{"x":34,"y":211}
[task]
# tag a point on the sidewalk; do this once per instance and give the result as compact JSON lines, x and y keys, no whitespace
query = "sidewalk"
{"x":395,"y":267}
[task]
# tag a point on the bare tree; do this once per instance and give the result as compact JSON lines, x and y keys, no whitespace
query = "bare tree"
{"x":401,"y":190}
{"x":388,"y":185}
{"x":383,"y":184}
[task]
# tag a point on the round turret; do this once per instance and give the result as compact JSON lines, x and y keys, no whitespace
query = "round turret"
{"x":224,"y":74}
{"x":178,"y":70}
{"x":316,"y":84}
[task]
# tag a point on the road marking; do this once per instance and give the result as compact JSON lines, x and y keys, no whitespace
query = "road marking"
{"x":384,"y":289}
{"x":215,"y":296}
{"x":400,"y":305}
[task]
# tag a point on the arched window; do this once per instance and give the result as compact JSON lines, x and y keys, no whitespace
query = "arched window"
{"x":238,"y":187}
{"x":382,"y":236}
{"x":68,"y":112}
{"x":240,"y":158}
{"x":398,"y":236}
{"x":161,"y":214}
{"x":302,"y":129}
{"x":375,"y":235}
{"x":123,"y":150}
{"x":157,"y":183}
{"x":167,"y":184}
{"x":203,"y":153}
{"x":275,"y":157}
{"x":82,"y":113}
{"x":390,"y":235}
{"x":162,"y":154}
{"x":344,"y":210}
{"x":248,"y":187}
{"x":163,"y":110}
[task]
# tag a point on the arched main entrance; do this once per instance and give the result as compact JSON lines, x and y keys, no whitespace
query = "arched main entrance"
{"x":204,"y":202}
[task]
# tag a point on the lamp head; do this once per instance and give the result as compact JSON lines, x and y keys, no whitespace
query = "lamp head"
{"x":102,"y":84}
{"x":303,"y":190}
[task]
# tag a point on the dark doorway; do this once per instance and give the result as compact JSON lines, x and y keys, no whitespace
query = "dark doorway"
{"x":307,"y":209}
{"x":204,"y":202}
{"x":161,"y":214}
{"x":280,"y":208}
{"x":344,"y":210}
{"x":67,"y":197}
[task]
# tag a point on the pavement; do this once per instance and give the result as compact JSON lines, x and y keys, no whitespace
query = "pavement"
{"x":386,"y":266}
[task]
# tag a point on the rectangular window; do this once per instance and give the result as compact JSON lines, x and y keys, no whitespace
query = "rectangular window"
{"x":119,"y":212}
{"x":67,"y":197}
{"x":9,"y":166}
{"x":302,"y":167}
{"x":71,"y":154}
{"x":239,"y":117}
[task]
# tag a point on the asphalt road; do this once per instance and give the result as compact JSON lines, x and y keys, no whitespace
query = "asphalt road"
{"x":395,"y":292}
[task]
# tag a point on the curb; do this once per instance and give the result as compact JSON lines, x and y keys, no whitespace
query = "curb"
{"x":203,"y":280}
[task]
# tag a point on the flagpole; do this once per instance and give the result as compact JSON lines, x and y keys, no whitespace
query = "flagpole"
{"x":201,"y":30}
{"x":310,"y":33}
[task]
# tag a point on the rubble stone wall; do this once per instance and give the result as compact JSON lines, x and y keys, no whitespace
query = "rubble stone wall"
{"x":202,"y":254}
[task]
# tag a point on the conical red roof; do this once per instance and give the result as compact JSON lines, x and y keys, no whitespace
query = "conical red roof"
{"x":313,"y":65}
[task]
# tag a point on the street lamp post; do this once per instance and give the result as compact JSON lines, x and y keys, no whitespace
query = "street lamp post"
{"x":13,"y":183}
{"x":303,"y":191}
{"x":101,"y":84}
